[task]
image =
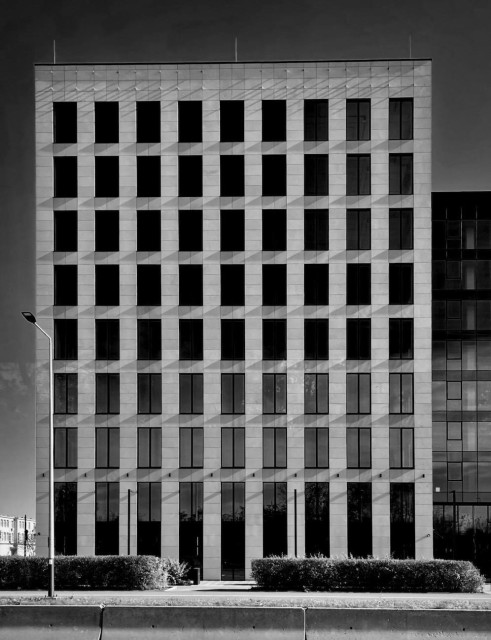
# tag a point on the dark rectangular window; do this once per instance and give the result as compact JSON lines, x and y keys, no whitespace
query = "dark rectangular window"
{"x":401,"y":338}
{"x":64,"y":122}
{"x":231,"y":121}
{"x":65,"y":177}
{"x":233,"y":448}
{"x":191,"y":448}
{"x":191,"y":523}
{"x":148,"y":287}
{"x":400,"y":119}
{"x":274,"y":120}
{"x":358,"y":339}
{"x":148,"y":230}
{"x":107,"y":285}
{"x":65,"y":231}
{"x":316,"y":229}
{"x":191,"y":285}
{"x":149,"y":339}
{"x":190,"y":121}
{"x":65,"y":444}
{"x":233,"y":339}
{"x":231,"y":176}
{"x":400,"y":228}
{"x":66,"y":285}
{"x":359,"y":519}
{"x":316,"y":339}
{"x":107,"y":393}
{"x":190,"y":339}
{"x":358,"y":448}
{"x":106,"y":116}
{"x":316,"y":393}
{"x":316,"y":174}
{"x":232,"y":285}
{"x":358,"y":284}
{"x":66,"y":339}
{"x":148,"y":121}
{"x":274,"y":175}
{"x":358,"y":393}
{"x":274,"y":339}
{"x":232,"y":230}
{"x":149,"y":448}
{"x":401,"y":393}
{"x":107,"y":230}
{"x":274,"y":285}
{"x":107,"y":448}
{"x":233,"y":531}
{"x":150,"y":393}
{"x":274,"y":393}
{"x":149,"y":518}
{"x":274,"y":230}
{"x":274,"y":448}
{"x":107,"y":339}
{"x":358,"y":236}
{"x":233,"y":393}
{"x":66,"y":393}
{"x":358,"y":174}
{"x":316,"y":448}
{"x":400,"y":173}
{"x":107,"y":518}
{"x":316,"y":119}
{"x":316,"y":284}
{"x":148,"y":177}
{"x":402,"y":520}
{"x":65,"y":518}
{"x":191,"y":176}
{"x":317,"y":518}
{"x":106,"y":176}
{"x":400,"y":283}
{"x":357,"y":119}
{"x":401,"y":447}
{"x":275,"y":532}
{"x":191,"y":393}
{"x":190,"y":231}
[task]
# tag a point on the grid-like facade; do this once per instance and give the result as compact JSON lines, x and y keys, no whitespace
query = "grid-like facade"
{"x":234,"y":262}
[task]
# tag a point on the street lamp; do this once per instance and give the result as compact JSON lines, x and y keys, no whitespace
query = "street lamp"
{"x":51,"y":500}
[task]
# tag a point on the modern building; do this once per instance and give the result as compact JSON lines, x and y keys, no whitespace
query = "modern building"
{"x":234,"y":261}
{"x":13,"y":534}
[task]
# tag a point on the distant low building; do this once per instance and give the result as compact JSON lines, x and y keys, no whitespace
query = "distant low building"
{"x":13,"y":536}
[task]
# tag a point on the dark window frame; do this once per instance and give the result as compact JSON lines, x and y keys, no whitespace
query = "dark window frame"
{"x":316,"y":174}
{"x":398,"y":327}
{"x":316,"y":120}
{"x":397,"y":119}
{"x":399,"y":182}
{"x":238,"y":354}
{"x":236,"y":378}
{"x":280,"y":438}
{"x":153,"y":382}
{"x":277,"y":330}
{"x":396,"y":235}
{"x":316,"y":229}
{"x":196,"y":452}
{"x":69,"y":382}
{"x":67,"y":458}
{"x":105,"y":331}
{"x":313,"y":328}
{"x":238,"y":461}
{"x":317,"y":448}
{"x":195,"y":327}
{"x":355,"y":181}
{"x":355,"y":238}
{"x":401,"y":397}
{"x":145,"y":325}
{"x":359,"y":454}
{"x":65,"y":132}
{"x":276,"y":400}
{"x":65,"y":334}
{"x":193,"y":378}
{"x":65,"y":231}
{"x":357,"y":331}
{"x":356,"y":132}
{"x":400,"y":448}
{"x":359,"y":376}
{"x":316,"y":276}
{"x":109,"y":458}
{"x":152,"y":449}
{"x":307,"y":379}
{"x":230,"y":129}
{"x":111,"y":404}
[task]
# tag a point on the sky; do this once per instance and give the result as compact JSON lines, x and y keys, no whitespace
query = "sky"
{"x":454,"y":33}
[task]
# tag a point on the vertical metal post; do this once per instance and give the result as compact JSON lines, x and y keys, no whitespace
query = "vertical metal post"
{"x":129,"y":520}
{"x":51,"y":541}
{"x":25,"y":535}
{"x":454,"y":523}
{"x":295,"y":518}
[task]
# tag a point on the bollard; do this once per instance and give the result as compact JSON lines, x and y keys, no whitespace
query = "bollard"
{"x":195,"y":575}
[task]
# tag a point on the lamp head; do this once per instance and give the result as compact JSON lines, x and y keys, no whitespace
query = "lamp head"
{"x":29,"y":317}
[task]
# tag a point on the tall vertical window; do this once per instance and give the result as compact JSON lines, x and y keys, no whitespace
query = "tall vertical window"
{"x":191,"y":448}
{"x":107,"y":339}
{"x":316,"y":229}
{"x":316,"y":119}
{"x":148,"y":285}
{"x":232,"y":285}
{"x":316,"y":284}
{"x":316,"y":393}
{"x":190,"y":339}
{"x":231,"y":176}
{"x":233,"y":448}
{"x":107,"y":518}
{"x":358,"y":284}
{"x":358,"y":339}
{"x":233,"y":531}
{"x":316,"y":339}
{"x":106,"y":176}
{"x":401,"y":283}
{"x":316,"y":518}
{"x":64,"y":122}
{"x":359,"y":519}
{"x":149,"y":518}
{"x":233,"y":393}
{"x":107,"y":393}
{"x":66,"y":393}
{"x":358,"y":235}
{"x":149,"y":448}
{"x":150,"y":393}
{"x":400,"y":228}
{"x":190,"y":117}
{"x":274,"y":448}
{"x":274,"y":230}
{"x":358,"y":393}
{"x":357,"y":119}
{"x":316,"y":448}
{"x":400,"y":119}
{"x":65,"y":445}
{"x":66,"y":339}
{"x":65,"y":285}
{"x":401,"y":446}
{"x":106,"y":116}
{"x":274,"y":285}
{"x":148,"y":177}
{"x":65,"y":177}
{"x":191,"y":285}
{"x":191,"y":523}
{"x":274,"y":175}
{"x":191,"y":230}
{"x":233,"y":339}
{"x":107,"y":230}
{"x":148,"y":121}
{"x":402,"y":517}
{"x":316,"y":174}
{"x":401,"y":339}
{"x":107,"y":285}
{"x":191,"y":393}
{"x":358,"y":448}
{"x":190,"y":176}
{"x":231,"y":121}
{"x":65,"y":516}
{"x":274,"y":393}
{"x":274,"y":339}
{"x":275,"y":541}
{"x":107,"y":448}
{"x":65,"y":231}
{"x":232,"y":230}
{"x":274,"y":120}
{"x":148,"y":230}
{"x":358,"y":174}
{"x":401,"y":393}
{"x":149,"y":339}
{"x":400,"y":173}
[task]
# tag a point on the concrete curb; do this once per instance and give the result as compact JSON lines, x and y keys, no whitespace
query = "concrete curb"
{"x":45,"y":622}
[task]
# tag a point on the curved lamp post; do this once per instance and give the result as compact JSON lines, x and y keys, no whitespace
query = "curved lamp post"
{"x":51,"y":500}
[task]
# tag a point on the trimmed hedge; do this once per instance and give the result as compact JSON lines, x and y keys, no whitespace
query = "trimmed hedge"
{"x":370,"y":574}
{"x":84,"y":572}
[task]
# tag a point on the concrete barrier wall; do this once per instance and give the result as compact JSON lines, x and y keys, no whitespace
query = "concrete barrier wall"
{"x":45,"y":622}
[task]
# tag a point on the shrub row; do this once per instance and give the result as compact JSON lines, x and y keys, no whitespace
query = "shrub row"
{"x":370,"y":574}
{"x":84,"y":572}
